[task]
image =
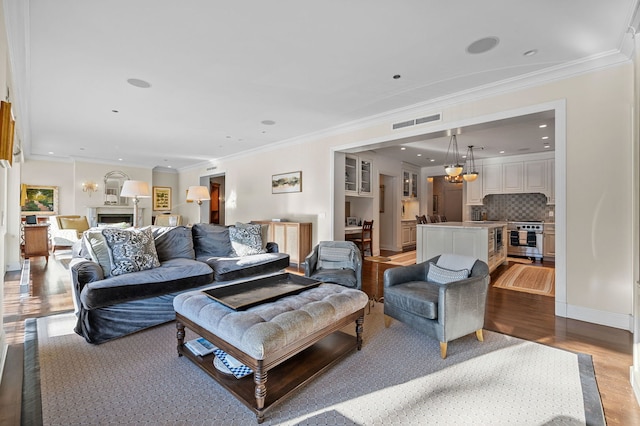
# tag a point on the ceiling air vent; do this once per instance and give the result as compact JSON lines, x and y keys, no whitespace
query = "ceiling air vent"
{"x":428,"y":119}
{"x":404,"y":124}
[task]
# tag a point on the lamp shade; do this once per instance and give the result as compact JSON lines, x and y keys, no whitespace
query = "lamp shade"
{"x":135,"y":188}
{"x":198,"y":193}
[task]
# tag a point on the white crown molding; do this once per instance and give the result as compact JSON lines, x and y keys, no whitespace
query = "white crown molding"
{"x":555,"y":73}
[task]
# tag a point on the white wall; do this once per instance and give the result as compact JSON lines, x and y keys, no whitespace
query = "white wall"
{"x":596,"y":240}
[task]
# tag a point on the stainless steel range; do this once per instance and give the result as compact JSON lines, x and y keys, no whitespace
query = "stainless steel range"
{"x":525,"y":239}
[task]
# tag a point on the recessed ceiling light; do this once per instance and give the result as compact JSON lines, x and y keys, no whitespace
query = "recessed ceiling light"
{"x":50,"y":152}
{"x":397,"y":77}
{"x":545,"y":138}
{"x":483,"y":45}
{"x":432,"y":160}
{"x":530,"y":52}
{"x":119,"y":159}
{"x":501,"y":152}
{"x":419,"y":155}
{"x":268,"y":122}
{"x":139,"y":83}
{"x":402,"y":148}
{"x":542,"y":126}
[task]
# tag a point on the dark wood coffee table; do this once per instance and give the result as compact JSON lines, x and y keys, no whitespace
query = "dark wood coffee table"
{"x":287,"y":368}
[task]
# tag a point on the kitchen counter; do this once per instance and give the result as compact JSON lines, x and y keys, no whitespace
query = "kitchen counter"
{"x":485,"y":240}
{"x":484,"y":224}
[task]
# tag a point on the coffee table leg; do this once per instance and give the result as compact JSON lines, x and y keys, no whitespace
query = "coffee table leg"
{"x":359,"y":328}
{"x":180,"y":336}
{"x":260,"y":379}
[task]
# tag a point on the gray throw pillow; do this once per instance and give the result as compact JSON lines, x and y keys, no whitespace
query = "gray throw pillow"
{"x":335,"y":258}
{"x":440,"y":275}
{"x":98,"y":249}
{"x":132,"y":250}
{"x":211,"y":240}
{"x":246,"y":239}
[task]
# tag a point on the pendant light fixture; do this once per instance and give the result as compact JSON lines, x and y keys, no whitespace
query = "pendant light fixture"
{"x":453,"y":179}
{"x":470,"y":173}
{"x":452,"y":167}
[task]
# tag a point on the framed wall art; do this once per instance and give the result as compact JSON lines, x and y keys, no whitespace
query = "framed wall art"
{"x":161,"y":198}
{"x":286,"y":182}
{"x":38,"y":199}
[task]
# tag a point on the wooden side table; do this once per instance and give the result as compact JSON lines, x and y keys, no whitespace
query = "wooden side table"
{"x":36,"y":241}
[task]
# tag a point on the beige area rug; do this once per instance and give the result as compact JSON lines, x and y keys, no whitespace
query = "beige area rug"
{"x":529,"y":279}
{"x":519,"y":260}
{"x":139,"y":379}
{"x":403,"y":259}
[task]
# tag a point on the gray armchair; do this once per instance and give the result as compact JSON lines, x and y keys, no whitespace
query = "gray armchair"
{"x":336,"y":262}
{"x":443,"y":311}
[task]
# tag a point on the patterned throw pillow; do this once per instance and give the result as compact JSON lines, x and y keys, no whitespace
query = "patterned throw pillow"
{"x":334,"y":258}
{"x":246,"y":240}
{"x":131,"y":250}
{"x":440,"y":275}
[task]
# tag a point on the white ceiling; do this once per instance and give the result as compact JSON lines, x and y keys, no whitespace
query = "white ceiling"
{"x":219,"y":69}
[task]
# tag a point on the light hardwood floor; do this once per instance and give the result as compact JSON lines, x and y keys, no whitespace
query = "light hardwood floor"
{"x":523,"y":315}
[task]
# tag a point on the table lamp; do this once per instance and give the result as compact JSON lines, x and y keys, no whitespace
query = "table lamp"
{"x":198,"y":194}
{"x":135,"y":189}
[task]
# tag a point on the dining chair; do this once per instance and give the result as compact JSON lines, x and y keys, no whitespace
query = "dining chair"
{"x":421,"y":219}
{"x":365,"y":238}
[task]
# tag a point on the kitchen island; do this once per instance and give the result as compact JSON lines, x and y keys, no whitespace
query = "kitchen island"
{"x":485,"y":240}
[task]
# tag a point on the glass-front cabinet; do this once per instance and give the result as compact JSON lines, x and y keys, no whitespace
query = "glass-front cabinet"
{"x":409,"y":184}
{"x":358,"y":176}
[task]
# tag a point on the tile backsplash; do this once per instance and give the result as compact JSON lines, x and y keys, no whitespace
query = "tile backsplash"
{"x":516,"y":207}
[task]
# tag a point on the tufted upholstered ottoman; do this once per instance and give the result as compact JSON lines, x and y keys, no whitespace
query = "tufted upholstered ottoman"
{"x":290,"y":340}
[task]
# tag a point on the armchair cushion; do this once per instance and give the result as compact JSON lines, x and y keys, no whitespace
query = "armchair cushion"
{"x":440,"y":275}
{"x":416,"y":297}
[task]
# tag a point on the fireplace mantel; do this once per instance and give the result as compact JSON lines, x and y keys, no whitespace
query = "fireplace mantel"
{"x":93,"y":212}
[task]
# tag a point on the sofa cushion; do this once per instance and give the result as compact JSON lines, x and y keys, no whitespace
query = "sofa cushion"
{"x":173,"y":242}
{"x":211,"y":240}
{"x":171,"y":276}
{"x":131,"y":250}
{"x":232,"y":268}
{"x":79,"y":224}
{"x":246,"y":239}
{"x":416,"y":297}
{"x":440,"y":275}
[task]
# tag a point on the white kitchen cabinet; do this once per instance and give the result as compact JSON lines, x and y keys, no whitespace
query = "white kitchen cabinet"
{"x":409,"y":184}
{"x":535,"y":176}
{"x":408,"y":233}
{"x":513,"y":178}
{"x":551,"y":181}
{"x":491,"y":179}
{"x":549,"y":242}
{"x":474,"y":192}
{"x":358,"y":176}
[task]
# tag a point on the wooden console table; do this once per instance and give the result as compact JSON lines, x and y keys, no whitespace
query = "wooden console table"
{"x":36,"y":241}
{"x":293,"y":238}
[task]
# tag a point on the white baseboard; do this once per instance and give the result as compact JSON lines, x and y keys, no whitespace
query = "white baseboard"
{"x":4,"y":347}
{"x":634,"y":378}
{"x":609,"y":319}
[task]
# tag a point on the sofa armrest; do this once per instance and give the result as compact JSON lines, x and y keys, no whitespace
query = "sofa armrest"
{"x":403,"y":274}
{"x":311,"y":262}
{"x":272,"y":247}
{"x":83,"y":272}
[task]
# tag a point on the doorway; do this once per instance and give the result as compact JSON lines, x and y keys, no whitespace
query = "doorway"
{"x":387,"y":234}
{"x":447,"y":199}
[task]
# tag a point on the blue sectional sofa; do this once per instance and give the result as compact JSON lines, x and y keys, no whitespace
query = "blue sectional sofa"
{"x":125,"y":280}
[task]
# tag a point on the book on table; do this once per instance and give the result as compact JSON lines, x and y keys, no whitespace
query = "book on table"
{"x":200,"y":346}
